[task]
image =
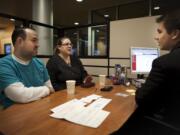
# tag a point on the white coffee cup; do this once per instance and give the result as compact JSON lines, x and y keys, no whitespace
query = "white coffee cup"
{"x":70,"y":84}
{"x":102,"y":80}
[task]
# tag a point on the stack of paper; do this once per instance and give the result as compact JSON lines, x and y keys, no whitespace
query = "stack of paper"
{"x":75,"y":111}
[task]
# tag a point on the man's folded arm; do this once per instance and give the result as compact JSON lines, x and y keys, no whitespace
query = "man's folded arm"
{"x":19,"y":93}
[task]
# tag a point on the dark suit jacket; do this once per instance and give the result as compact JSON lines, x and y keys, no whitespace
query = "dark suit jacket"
{"x":159,"y":97}
{"x":59,"y":71}
{"x":158,"y":100}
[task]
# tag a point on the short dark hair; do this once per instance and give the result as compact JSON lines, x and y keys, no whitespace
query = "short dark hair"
{"x":59,"y":42}
{"x":19,"y":32}
{"x":171,"y":20}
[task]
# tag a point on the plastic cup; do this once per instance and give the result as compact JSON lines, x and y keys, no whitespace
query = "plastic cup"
{"x":70,"y":84}
{"x":102,"y":80}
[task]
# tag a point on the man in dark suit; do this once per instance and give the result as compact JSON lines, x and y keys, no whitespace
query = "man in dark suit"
{"x":158,"y":100}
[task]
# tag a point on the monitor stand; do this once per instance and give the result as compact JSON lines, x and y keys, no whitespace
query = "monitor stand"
{"x":139,"y":81}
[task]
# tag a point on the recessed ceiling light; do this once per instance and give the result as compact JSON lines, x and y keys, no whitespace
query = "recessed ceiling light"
{"x":156,"y":8}
{"x":12,"y":19}
{"x":97,"y":30}
{"x":79,"y":0}
{"x":76,"y":23}
{"x":106,"y":15}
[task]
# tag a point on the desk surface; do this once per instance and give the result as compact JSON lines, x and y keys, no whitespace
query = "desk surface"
{"x":33,"y":118}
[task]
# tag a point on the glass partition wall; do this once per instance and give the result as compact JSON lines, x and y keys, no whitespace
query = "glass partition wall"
{"x":47,"y":34}
{"x":7,"y":26}
{"x":89,"y":41}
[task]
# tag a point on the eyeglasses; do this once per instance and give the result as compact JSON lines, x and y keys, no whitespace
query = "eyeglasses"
{"x":66,"y":44}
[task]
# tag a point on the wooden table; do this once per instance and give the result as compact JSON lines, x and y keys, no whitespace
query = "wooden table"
{"x":33,"y":118}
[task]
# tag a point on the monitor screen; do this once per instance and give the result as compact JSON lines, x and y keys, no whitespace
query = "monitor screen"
{"x":7,"y":48}
{"x":142,"y":58}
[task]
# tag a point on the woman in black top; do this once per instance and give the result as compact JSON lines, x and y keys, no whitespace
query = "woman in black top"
{"x":64,"y":66}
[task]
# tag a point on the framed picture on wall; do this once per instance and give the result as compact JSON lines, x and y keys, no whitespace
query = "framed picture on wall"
{"x":7,"y":48}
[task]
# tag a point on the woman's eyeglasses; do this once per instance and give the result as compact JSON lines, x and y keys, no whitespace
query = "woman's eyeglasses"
{"x":66,"y":44}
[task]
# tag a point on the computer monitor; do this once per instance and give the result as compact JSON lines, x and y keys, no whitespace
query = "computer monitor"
{"x":7,"y":48}
{"x":141,"y":59}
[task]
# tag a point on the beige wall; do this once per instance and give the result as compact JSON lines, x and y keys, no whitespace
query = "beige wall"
{"x":139,"y":32}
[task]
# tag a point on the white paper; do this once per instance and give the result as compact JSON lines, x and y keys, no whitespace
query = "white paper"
{"x":99,"y":103}
{"x":76,"y":112}
{"x":69,"y":104}
{"x":84,"y":116}
{"x":88,"y":117}
{"x":73,"y":109}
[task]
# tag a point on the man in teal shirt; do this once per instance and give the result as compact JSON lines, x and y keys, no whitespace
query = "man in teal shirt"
{"x":23,"y":78}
